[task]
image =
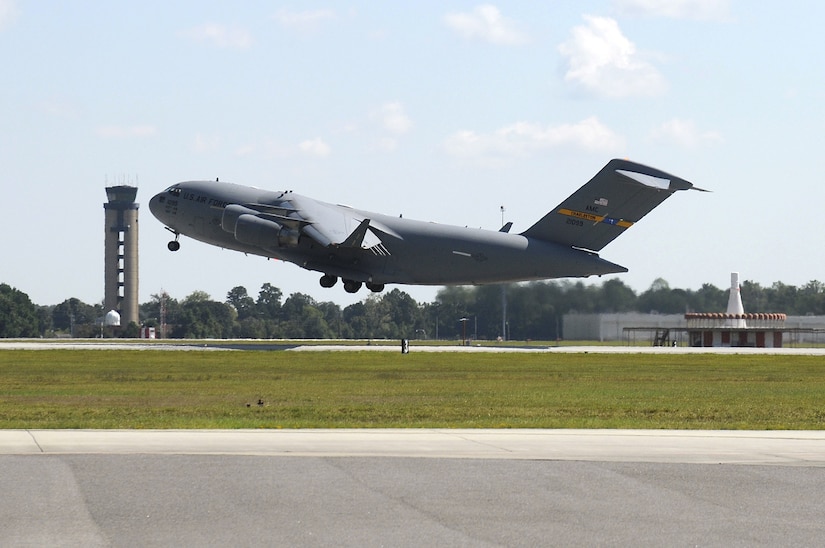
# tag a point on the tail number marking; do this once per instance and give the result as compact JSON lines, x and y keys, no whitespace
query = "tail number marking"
{"x":577,"y":218}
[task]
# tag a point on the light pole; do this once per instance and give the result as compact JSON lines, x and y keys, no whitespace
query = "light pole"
{"x":503,"y":297}
{"x":503,"y":312}
{"x":436,"y":305}
{"x":464,"y":330}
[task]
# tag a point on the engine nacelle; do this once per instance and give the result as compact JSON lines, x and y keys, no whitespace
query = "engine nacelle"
{"x":231,"y":214}
{"x":288,"y":237}
{"x":253,"y":230}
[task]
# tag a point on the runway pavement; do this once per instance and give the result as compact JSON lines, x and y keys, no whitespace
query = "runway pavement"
{"x":411,"y":488}
{"x":312,"y":346}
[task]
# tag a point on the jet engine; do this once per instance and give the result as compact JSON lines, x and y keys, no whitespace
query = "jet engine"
{"x":253,"y":230}
{"x":231,"y":214}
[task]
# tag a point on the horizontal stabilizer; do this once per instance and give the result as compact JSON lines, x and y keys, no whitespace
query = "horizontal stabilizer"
{"x":617,"y":197}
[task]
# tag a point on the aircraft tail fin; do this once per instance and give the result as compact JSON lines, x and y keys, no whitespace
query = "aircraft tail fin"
{"x":611,"y":202}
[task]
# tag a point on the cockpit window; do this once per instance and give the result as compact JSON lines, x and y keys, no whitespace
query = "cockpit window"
{"x":173,"y":190}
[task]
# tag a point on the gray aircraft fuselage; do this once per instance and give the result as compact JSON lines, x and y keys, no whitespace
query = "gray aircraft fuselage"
{"x":365,"y":247}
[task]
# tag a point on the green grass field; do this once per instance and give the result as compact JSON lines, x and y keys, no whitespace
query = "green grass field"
{"x":201,"y":389}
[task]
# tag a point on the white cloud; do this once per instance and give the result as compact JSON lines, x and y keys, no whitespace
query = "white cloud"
{"x":522,"y":139}
{"x":58,"y":107}
{"x":601,"y":60}
{"x":126,"y":132}
{"x":386,"y":144}
{"x":259,"y":147}
{"x":220,"y":36}
{"x":206,"y":143}
{"x":684,"y":133}
{"x":314,"y":147}
{"x":8,"y":13}
{"x":486,"y":22}
{"x":244,"y":150}
{"x":703,"y":10}
{"x":303,"y":20}
{"x":393,"y":118}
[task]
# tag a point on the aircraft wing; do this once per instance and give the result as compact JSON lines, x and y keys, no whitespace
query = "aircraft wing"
{"x":338,"y":226}
{"x":611,"y":202}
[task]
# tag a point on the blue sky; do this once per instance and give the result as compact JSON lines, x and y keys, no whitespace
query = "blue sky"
{"x":441,"y":111}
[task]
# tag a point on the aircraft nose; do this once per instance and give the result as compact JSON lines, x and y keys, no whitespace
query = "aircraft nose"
{"x":156,"y":205}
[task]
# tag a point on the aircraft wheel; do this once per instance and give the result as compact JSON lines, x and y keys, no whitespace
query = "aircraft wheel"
{"x":328,"y":280}
{"x":375,"y":288}
{"x":174,"y":245}
{"x":351,"y":286}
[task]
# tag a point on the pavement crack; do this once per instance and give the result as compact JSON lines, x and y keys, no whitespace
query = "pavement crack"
{"x":34,"y":439}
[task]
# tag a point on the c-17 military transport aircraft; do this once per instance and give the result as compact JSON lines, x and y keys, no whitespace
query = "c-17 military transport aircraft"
{"x":361,"y":247}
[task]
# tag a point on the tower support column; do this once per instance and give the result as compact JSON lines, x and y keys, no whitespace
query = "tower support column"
{"x":121,"y":253}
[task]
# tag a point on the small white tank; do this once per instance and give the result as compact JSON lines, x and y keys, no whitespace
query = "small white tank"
{"x":112,"y":318}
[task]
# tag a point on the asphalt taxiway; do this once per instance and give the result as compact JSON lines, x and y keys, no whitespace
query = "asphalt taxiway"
{"x":411,"y":487}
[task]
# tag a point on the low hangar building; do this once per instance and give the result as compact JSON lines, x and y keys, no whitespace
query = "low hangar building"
{"x":717,"y":329}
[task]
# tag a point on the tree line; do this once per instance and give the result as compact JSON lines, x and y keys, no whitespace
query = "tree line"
{"x":533,"y":311}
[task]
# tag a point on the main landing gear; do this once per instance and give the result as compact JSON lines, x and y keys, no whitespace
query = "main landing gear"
{"x":350,"y":286}
{"x":174,"y":245}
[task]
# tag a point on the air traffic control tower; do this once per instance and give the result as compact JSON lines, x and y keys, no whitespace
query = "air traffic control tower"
{"x":121,"y":258}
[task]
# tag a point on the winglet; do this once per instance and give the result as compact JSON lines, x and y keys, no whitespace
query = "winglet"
{"x":357,"y":237}
{"x":507,"y":226}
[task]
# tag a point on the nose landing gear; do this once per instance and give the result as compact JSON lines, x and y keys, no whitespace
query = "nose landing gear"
{"x":174,"y":245}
